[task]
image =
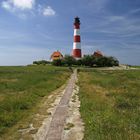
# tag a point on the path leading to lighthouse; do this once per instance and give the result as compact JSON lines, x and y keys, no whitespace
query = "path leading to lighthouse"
{"x":58,"y":120}
{"x":64,"y":114}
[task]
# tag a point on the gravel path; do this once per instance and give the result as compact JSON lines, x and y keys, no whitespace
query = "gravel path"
{"x":58,"y":120}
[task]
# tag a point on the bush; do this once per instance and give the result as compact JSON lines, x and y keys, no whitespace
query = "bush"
{"x":57,"y":62}
{"x":102,"y":61}
{"x":87,"y":60}
{"x":69,"y":60}
{"x":79,"y":62}
{"x":41,"y":62}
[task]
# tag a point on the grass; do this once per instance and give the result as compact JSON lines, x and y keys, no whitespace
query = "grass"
{"x":110,"y":104}
{"x":22,"y":88}
{"x":135,"y":66}
{"x":69,"y":126}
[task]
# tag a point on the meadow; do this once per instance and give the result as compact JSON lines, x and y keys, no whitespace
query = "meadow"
{"x":23,"y":87}
{"x":110,"y":104}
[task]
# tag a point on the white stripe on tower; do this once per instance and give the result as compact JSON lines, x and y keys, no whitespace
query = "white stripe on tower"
{"x":77,"y":39}
{"x":76,"y":32}
{"x":77,"y":45}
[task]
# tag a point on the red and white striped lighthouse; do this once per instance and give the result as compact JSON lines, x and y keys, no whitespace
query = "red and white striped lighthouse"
{"x":77,"y":39}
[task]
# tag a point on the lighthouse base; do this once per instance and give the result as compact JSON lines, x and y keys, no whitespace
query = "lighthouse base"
{"x":77,"y":53}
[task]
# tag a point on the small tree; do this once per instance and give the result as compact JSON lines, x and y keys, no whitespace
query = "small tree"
{"x":88,"y":60}
{"x":57,"y":62}
{"x":69,"y":60}
{"x":35,"y":62}
{"x":79,"y":62}
{"x":105,"y":61}
{"x":115,"y":61}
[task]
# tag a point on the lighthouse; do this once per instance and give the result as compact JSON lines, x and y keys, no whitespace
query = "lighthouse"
{"x":77,"y":40}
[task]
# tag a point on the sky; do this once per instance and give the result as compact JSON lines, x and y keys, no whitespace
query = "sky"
{"x":33,"y":29}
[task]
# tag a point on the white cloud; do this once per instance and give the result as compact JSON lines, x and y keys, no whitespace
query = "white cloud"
{"x":6,"y":5}
{"x":19,"y":6}
{"x":48,"y":11}
{"x":13,"y":5}
{"x":23,"y":4}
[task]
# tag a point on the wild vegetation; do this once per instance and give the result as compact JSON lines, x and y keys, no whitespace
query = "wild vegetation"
{"x":22,"y":88}
{"x":87,"y":60}
{"x":134,"y":66}
{"x":41,"y":62}
{"x":110,"y":104}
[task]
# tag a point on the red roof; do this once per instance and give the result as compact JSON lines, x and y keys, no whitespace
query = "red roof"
{"x":97,"y":53}
{"x":56,"y":54}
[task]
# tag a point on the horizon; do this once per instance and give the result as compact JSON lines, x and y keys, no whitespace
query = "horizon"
{"x":32,"y":30}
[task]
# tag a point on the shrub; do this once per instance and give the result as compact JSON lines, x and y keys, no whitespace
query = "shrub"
{"x":69,"y":60}
{"x":41,"y":62}
{"x":57,"y":62}
{"x":102,"y":61}
{"x":87,"y":60}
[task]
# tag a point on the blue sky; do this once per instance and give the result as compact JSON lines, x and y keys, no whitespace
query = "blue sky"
{"x":32,"y":29}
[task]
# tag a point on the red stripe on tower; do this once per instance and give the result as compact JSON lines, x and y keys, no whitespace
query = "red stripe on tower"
{"x":77,"y":40}
{"x":76,"y":25}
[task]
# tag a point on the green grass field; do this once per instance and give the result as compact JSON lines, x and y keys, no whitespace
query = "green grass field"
{"x":135,"y":66}
{"x":110,"y":104}
{"x":22,"y":88}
